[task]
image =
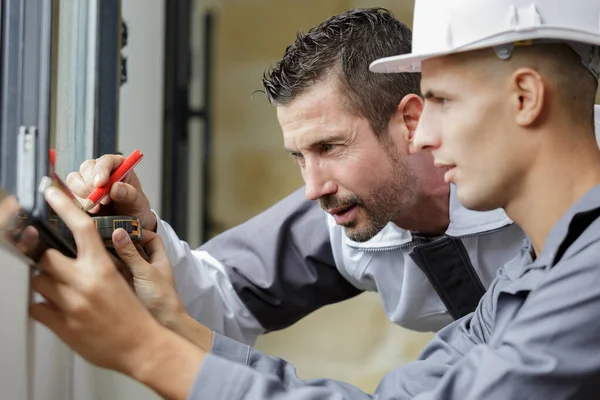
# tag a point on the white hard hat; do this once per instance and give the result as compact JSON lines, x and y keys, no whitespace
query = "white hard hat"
{"x":442,"y":27}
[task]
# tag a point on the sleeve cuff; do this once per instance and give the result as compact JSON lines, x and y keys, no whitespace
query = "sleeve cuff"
{"x":219,"y":379}
{"x":229,"y":349}
{"x":160,"y":229}
{"x":169,"y":238}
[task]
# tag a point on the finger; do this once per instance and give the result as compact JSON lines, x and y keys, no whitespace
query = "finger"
{"x":9,"y":210}
{"x":87,"y":173}
{"x":147,"y":237}
{"x":86,"y":167}
{"x":129,"y":255}
{"x":124,"y":193}
{"x":154,"y":247}
{"x":131,"y":200}
{"x":104,"y":166}
{"x":77,"y":184}
{"x":50,"y":289}
{"x":132,"y":179}
{"x":28,"y":240}
{"x":47,"y":315}
{"x":9,"y":204}
{"x":94,"y":210}
{"x":123,"y":270}
{"x":79,"y":223}
{"x":58,"y":266}
{"x":142,"y":252}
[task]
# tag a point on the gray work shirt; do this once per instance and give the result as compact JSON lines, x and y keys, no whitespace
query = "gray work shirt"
{"x":534,"y":335}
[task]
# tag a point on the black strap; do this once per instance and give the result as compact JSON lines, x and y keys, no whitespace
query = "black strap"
{"x":446,"y":264}
{"x":578,"y":225}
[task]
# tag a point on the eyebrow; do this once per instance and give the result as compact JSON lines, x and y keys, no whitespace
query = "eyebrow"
{"x":428,"y":95}
{"x":321,"y":142}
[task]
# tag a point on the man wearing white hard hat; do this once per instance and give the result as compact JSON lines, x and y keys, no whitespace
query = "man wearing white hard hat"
{"x":509,"y":89}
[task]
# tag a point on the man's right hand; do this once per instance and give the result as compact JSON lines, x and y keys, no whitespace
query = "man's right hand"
{"x":125,"y":198}
{"x":154,"y":285}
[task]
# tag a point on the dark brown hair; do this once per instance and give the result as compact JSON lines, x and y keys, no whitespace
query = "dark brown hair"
{"x":345,"y":45}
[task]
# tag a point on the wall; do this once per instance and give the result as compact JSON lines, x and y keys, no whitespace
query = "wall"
{"x":141,"y":108}
{"x":14,"y":297}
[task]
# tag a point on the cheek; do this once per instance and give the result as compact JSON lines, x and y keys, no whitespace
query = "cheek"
{"x":358,"y":174}
{"x":466,"y":139}
{"x":353,"y":175}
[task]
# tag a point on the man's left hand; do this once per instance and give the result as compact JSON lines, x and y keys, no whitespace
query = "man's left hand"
{"x":90,"y":306}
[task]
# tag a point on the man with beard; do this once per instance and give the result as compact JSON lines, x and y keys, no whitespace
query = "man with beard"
{"x":391,"y":224}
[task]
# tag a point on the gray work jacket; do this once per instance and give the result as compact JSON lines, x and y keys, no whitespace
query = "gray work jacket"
{"x":292,"y":259}
{"x":534,"y":335}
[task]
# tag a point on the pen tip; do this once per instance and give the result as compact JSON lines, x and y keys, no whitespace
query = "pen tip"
{"x":87,"y":205}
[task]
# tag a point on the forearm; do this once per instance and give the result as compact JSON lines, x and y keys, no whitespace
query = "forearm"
{"x":168,"y":364}
{"x":190,"y":329}
{"x":206,"y":291}
{"x":178,"y":370}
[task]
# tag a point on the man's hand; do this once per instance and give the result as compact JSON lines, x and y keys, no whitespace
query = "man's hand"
{"x":153,"y":279}
{"x":93,"y":310}
{"x":154,"y":285}
{"x":125,"y":197}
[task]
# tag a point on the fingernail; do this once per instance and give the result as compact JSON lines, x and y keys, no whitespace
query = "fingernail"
{"x":120,"y":236}
{"x":51,"y":192}
{"x":98,"y":179}
{"x":121,"y":193}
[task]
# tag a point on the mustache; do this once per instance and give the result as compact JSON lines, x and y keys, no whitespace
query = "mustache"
{"x":330,"y":201}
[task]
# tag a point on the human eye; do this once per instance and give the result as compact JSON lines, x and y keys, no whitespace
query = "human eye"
{"x":432,"y":98}
{"x":329,"y":147}
{"x":439,"y":100}
{"x":299,"y":157}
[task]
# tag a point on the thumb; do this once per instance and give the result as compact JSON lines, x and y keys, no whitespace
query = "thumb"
{"x":132,"y":201}
{"x":129,"y":254}
{"x":129,"y":198}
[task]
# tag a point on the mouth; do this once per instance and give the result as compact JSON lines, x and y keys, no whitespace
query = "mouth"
{"x":340,"y":210}
{"x":449,"y":175}
{"x":443,"y":164}
{"x":343,"y":215}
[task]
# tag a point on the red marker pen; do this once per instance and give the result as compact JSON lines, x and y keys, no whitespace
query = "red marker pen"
{"x":117,"y":176}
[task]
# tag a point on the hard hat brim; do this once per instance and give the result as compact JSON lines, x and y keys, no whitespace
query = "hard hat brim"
{"x":412,"y":62}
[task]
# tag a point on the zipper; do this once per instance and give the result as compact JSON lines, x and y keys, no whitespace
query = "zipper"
{"x":419,"y":241}
{"x":390,"y":248}
{"x":486,"y":233}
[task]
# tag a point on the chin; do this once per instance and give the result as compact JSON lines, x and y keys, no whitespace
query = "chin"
{"x":361,"y":232}
{"x":357,"y":235}
{"x":475,"y":200}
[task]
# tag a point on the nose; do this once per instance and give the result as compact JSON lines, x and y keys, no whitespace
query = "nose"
{"x":318,"y":184}
{"x":426,"y":135}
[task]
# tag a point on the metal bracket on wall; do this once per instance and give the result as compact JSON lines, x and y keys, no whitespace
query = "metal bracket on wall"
{"x":177,"y":116}
{"x":25,"y":101}
{"x":124,"y":38}
{"x":26,"y":161}
{"x":108,"y":76}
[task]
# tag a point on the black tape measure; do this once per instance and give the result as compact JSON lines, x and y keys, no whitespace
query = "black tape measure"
{"x":105,"y":225}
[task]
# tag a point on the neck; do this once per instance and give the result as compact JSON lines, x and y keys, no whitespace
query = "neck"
{"x":564,"y":171}
{"x":429,"y":212}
